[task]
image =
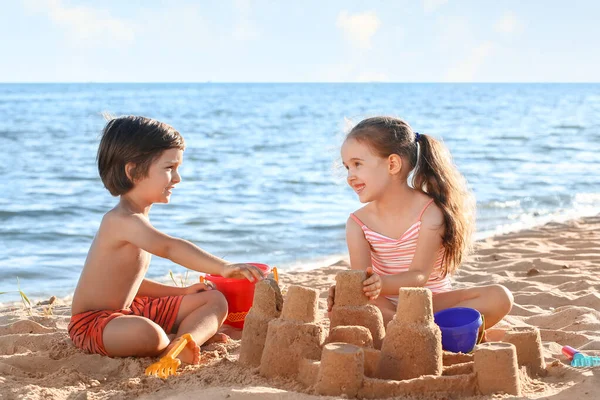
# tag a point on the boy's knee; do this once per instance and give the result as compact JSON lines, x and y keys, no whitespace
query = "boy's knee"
{"x":153,"y":338}
{"x":218,"y":302}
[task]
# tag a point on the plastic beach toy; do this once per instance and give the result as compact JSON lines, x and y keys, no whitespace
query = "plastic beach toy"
{"x":460,"y":328}
{"x":239,"y":294}
{"x":579,"y":360}
{"x":168,"y":364}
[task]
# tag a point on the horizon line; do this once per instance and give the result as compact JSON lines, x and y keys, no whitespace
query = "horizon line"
{"x":291,"y":82}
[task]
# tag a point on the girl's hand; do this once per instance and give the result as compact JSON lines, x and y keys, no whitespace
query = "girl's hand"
{"x":372,"y":285}
{"x":241,"y":271}
{"x":330,"y":298}
{"x":198,"y":287}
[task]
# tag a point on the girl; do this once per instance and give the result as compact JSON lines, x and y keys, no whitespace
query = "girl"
{"x":410,"y":235}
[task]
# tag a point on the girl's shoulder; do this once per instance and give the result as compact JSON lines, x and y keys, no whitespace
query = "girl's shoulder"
{"x":431,"y":214}
{"x":362,"y":214}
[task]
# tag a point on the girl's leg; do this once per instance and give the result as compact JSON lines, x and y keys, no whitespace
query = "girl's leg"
{"x":388,"y":309}
{"x":494,"y":301}
{"x":131,"y":335}
{"x":200,"y":314}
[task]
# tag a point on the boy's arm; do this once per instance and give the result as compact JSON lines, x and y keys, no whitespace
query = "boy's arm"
{"x":137,"y":230}
{"x":154,"y":289}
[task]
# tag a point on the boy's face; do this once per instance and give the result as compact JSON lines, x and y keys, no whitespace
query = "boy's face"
{"x":163,"y":175}
{"x":367,"y":172}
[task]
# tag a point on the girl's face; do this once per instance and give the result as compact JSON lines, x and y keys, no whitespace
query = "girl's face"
{"x":368,"y":173}
{"x":162,"y":177}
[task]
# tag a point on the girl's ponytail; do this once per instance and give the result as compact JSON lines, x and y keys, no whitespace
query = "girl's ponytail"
{"x":436,"y":175}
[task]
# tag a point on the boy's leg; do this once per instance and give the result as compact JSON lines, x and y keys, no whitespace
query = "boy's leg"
{"x":200,"y":314}
{"x":388,"y":309}
{"x":494,"y":301}
{"x":131,"y":335}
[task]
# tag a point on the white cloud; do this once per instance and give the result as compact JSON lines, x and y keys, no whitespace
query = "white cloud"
{"x":245,"y":28}
{"x":176,"y":31}
{"x":453,"y":32}
{"x":358,"y":28}
{"x":85,"y":24}
{"x":430,"y":6}
{"x":467,"y":69}
{"x":508,"y":23}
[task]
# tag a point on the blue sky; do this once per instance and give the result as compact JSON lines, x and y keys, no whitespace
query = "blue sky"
{"x":300,"y":41}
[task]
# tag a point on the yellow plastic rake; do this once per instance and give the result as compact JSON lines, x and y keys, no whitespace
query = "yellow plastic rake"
{"x":168,"y":364}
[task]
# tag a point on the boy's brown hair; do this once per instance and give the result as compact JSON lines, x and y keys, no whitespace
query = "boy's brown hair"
{"x":132,"y":139}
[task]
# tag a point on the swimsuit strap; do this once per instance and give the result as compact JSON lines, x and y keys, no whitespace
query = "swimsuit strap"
{"x":357,"y":220}
{"x":425,"y":208}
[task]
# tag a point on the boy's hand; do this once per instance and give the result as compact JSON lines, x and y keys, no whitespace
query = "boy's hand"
{"x":198,"y":287}
{"x":241,"y":271}
{"x":330,"y":298}
{"x":372,"y":285}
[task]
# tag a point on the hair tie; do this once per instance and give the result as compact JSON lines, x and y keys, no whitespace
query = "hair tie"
{"x":417,"y":137}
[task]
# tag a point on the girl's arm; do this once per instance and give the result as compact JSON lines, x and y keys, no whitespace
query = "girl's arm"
{"x":428,"y":247}
{"x":137,"y":230}
{"x":360,"y":258}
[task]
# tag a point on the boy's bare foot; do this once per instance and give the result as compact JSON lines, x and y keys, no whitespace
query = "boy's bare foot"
{"x":190,"y":353}
{"x":233,"y":333}
{"x":218,"y":337}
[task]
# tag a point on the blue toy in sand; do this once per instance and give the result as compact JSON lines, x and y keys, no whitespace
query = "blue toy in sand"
{"x":460,"y":328}
{"x":580,"y":360}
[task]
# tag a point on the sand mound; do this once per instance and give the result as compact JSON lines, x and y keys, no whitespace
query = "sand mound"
{"x":553,"y":271}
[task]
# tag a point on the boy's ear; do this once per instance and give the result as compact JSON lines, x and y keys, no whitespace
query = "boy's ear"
{"x":394,"y":164}
{"x":129,"y":170}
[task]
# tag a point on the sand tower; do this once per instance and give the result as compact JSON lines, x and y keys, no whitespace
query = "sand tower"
{"x":496,"y":368}
{"x":351,"y":306}
{"x":413,"y":342}
{"x":266,"y":306}
{"x":341,"y":370}
{"x":294,"y":336}
{"x":529,"y":348}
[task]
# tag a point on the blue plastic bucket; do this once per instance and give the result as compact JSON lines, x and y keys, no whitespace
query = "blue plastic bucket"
{"x":459,"y":326}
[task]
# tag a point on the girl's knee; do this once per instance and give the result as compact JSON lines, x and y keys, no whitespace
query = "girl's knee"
{"x":502,"y":297}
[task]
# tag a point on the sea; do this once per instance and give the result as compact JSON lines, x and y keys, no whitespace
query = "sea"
{"x":262,"y":179}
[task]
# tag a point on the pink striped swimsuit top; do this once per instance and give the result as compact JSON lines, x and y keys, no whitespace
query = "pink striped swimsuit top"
{"x":392,"y":256}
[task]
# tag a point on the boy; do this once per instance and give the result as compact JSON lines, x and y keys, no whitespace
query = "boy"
{"x":116,"y":311}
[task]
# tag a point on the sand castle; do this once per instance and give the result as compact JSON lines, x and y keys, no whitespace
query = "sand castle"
{"x":413,"y":345}
{"x":352,"y":308}
{"x":293,"y":336}
{"x":267,"y":305}
{"x":411,"y":360}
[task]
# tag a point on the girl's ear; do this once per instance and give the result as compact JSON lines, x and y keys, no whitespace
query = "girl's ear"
{"x":129,"y":170}
{"x":394,"y":164}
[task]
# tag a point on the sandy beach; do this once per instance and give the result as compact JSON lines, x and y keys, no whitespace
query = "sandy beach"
{"x":552,"y":271}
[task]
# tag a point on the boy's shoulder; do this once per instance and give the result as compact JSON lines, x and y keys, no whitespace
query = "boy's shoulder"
{"x":119,"y":217}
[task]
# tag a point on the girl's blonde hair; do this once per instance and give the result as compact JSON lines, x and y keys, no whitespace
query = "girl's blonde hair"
{"x":434,"y":174}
